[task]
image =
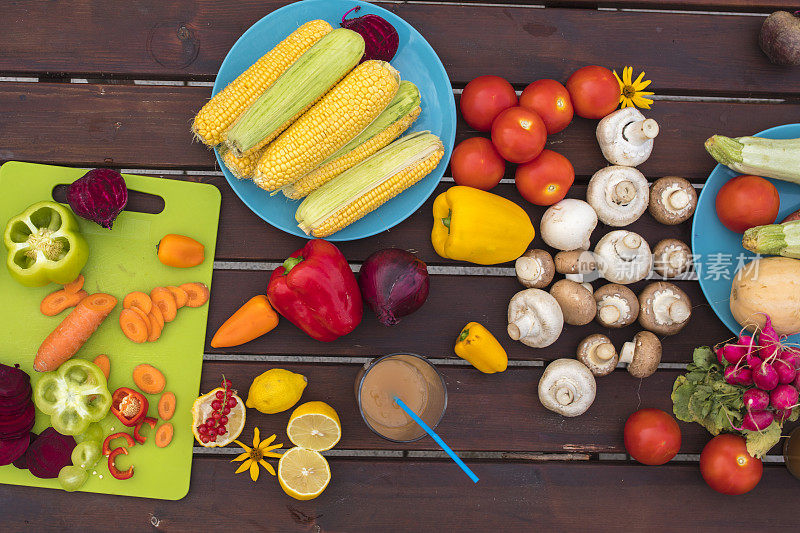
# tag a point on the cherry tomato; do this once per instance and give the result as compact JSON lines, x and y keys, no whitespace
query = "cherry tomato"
{"x":518,"y":134}
{"x":727,"y":467}
{"x":594,"y":91}
{"x":652,"y":436}
{"x":551,"y":102}
{"x":476,"y":163}
{"x":546,"y":179}
{"x":484,"y":98}
{"x":747,"y":201}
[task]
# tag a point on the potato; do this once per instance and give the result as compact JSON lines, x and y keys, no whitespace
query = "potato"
{"x":770,"y":285}
{"x":780,"y":38}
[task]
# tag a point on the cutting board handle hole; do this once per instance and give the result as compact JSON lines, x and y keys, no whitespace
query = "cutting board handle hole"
{"x":138,"y":202}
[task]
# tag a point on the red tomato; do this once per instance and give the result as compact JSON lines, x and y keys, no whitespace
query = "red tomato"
{"x":518,"y":134}
{"x":594,"y":91}
{"x":551,"y":102}
{"x":476,"y":163}
{"x":652,"y":436}
{"x":747,"y":201}
{"x":546,"y":179}
{"x":727,"y":467}
{"x":484,"y":98}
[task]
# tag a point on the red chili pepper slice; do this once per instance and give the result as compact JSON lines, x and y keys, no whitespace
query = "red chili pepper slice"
{"x":120,"y":435}
{"x":129,"y":406}
{"x":112,"y":468}
{"x":150,"y":421}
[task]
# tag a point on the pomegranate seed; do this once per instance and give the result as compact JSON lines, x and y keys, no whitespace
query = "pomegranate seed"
{"x":220,"y":395}
{"x":210,"y":422}
{"x":221,"y":430}
{"x":226,"y":410}
{"x":216,"y":405}
{"x":231,"y":403}
{"x":204,"y":439}
{"x":223,"y":420}
{"x":216,"y":414}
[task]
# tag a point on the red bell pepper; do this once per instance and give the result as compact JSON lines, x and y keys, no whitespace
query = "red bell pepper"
{"x":316,"y":290}
{"x":141,"y":439}
{"x":129,"y":406}
{"x":107,"y":443}
{"x":112,"y":467}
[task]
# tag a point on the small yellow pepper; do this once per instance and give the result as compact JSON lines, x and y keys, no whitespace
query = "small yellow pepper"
{"x":481,"y":349}
{"x":480,"y":227}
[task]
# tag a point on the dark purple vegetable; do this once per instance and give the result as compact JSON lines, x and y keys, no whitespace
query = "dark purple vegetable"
{"x":394,"y":283}
{"x":380,"y":37}
{"x":49,"y":453}
{"x":13,"y":381}
{"x":17,"y":425}
{"x":11,"y":450}
{"x":21,"y":462}
{"x":755,"y":399}
{"x":757,"y":420}
{"x":738,"y":375}
{"x":98,"y":196}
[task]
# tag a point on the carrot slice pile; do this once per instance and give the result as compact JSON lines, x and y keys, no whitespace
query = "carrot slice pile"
{"x":133,"y":325}
{"x":180,"y":295}
{"x":197,"y":293}
{"x":58,"y":301}
{"x":153,"y":310}
{"x":165,"y":301}
{"x":137,"y":299}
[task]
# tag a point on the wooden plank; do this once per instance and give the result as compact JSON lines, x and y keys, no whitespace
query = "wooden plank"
{"x":185,"y":39}
{"x":752,"y":6}
{"x":406,"y":494}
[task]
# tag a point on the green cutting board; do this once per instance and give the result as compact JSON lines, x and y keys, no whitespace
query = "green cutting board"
{"x":121,"y":260}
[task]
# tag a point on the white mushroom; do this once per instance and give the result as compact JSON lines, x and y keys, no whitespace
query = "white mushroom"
{"x":626,"y":137}
{"x":568,"y":225}
{"x":576,"y":265}
{"x":672,"y":200}
{"x":577,"y":304}
{"x":671,"y":258}
{"x":598,"y":354}
{"x":535,"y":269}
{"x":665,"y":308}
{"x":618,"y":194}
{"x":534,"y":318}
{"x":617,"y":306}
{"x":642,"y":354}
{"x":567,"y":387}
{"x":623,"y":257}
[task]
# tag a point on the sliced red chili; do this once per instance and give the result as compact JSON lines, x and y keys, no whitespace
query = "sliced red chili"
{"x":120,"y":435}
{"x":150,"y":421}
{"x":112,"y":468}
{"x":129,"y":406}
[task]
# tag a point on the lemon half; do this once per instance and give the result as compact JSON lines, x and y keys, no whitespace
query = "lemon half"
{"x":303,"y":474}
{"x":315,"y":426}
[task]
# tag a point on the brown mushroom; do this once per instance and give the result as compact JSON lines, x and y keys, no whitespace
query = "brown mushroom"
{"x":672,"y":200}
{"x":671,"y":258}
{"x":617,"y":305}
{"x":642,"y":354}
{"x":598,"y":354}
{"x":576,"y":265}
{"x":577,"y":304}
{"x":665,"y":308}
{"x":535,"y":269}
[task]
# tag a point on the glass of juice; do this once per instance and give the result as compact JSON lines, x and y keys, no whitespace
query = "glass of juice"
{"x":791,"y":452}
{"x":411,"y":378}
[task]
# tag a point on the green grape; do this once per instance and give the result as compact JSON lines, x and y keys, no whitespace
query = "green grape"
{"x":93,"y":432}
{"x":72,"y":477}
{"x":86,"y":454}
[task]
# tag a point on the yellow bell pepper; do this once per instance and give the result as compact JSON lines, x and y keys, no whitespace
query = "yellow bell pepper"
{"x":481,"y":349}
{"x":478,"y":226}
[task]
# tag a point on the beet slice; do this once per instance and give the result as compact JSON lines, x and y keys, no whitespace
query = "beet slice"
{"x":9,"y":401}
{"x":49,"y":453}
{"x":11,"y":450}
{"x":18,"y":425}
{"x":13,"y":381}
{"x":21,"y":462}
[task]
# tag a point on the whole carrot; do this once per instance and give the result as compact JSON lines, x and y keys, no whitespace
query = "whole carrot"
{"x":74,"y":331}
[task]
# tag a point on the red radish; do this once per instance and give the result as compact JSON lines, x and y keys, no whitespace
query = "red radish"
{"x":765,"y":376}
{"x":791,"y":356}
{"x":757,"y":420}
{"x":380,"y":37}
{"x":786,"y":371}
{"x":718,"y":352}
{"x":769,"y":340}
{"x":733,"y":353}
{"x":753,"y":361}
{"x":755,"y":399}
{"x":797,"y":381}
{"x":783,"y":397}
{"x":738,"y":375}
{"x":782,"y":414}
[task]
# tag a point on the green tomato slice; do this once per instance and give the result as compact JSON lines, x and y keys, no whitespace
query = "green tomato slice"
{"x":87,"y":453}
{"x":72,"y":477}
{"x":93,"y":432}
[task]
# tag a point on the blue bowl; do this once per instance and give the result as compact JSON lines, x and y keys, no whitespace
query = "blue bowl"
{"x":717,"y":250}
{"x":415,"y":60}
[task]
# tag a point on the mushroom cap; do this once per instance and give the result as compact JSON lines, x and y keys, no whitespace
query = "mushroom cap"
{"x":576,"y":302}
{"x":598,"y":354}
{"x":535,"y":268}
{"x":663,"y":191}
{"x":623,"y":257}
{"x":618,"y":194}
{"x":671,"y":258}
{"x":665,"y":308}
{"x":575,"y":262}
{"x":613,"y":141}
{"x":534,"y":318}
{"x":568,"y":225}
{"x":567,"y":387}
{"x":619,"y":297}
{"x":646,"y":355}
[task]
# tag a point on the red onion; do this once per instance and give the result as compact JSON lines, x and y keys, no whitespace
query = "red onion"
{"x":98,"y":196}
{"x":380,"y":37}
{"x":394,"y":283}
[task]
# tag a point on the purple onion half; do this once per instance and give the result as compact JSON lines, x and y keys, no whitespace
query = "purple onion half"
{"x":394,"y":283}
{"x":100,"y":195}
{"x":380,"y":37}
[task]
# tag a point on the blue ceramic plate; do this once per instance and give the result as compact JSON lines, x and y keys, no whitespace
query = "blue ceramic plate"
{"x":416,"y":62}
{"x":718,"y":251}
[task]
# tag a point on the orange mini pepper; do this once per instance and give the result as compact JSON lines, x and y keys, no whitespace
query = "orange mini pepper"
{"x":255,"y":318}
{"x":180,"y":251}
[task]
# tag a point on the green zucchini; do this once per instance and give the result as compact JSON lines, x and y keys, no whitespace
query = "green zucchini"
{"x":774,"y":239}
{"x":771,"y":158}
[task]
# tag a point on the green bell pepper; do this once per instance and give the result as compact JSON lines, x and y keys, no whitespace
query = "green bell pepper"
{"x":74,"y":395}
{"x":44,"y":244}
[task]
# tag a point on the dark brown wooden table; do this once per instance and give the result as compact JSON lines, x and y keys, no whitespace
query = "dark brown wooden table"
{"x":97,"y":83}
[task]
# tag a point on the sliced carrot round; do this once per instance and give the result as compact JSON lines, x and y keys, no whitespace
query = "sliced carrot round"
{"x":180,"y":295}
{"x":156,"y":326}
{"x":156,"y":312}
{"x":100,"y":302}
{"x":149,"y":379}
{"x":145,"y":318}
{"x":133,"y":325}
{"x":57,"y":301}
{"x":137,"y":299}
{"x":166,"y":405}
{"x":164,"y":435}
{"x":75,"y":285}
{"x":163,"y":299}
{"x":104,"y":363}
{"x":197,"y":292}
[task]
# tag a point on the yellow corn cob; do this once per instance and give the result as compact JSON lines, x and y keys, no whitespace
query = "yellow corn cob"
{"x":225,"y":107}
{"x":368,"y":185}
{"x":242,"y":167}
{"x":330,"y":124}
{"x":401,"y":112}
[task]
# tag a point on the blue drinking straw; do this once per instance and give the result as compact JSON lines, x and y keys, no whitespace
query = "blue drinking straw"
{"x":437,"y":438}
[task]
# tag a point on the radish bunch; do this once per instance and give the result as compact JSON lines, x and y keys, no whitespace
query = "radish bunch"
{"x":770,"y":368}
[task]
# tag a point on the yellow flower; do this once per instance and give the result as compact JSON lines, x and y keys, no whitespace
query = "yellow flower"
{"x":254,"y":456}
{"x":633,"y":93}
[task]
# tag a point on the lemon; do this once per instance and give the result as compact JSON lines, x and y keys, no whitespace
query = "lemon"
{"x":314,"y":425}
{"x":202,"y":410}
{"x":276,"y":390}
{"x":303,"y":474}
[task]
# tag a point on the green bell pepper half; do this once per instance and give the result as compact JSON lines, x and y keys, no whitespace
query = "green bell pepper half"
{"x":74,"y":395}
{"x":45,"y":245}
